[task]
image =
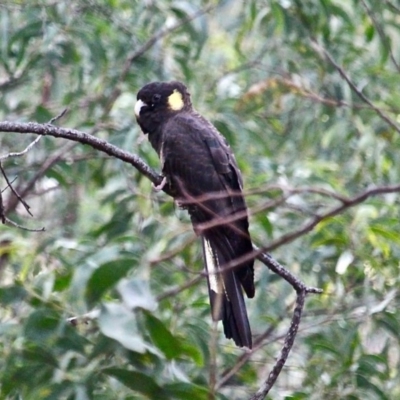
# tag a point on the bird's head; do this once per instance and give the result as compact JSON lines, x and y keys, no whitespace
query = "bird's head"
{"x":156,"y":101}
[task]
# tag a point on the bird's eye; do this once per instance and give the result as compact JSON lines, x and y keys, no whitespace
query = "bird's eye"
{"x":156,"y":98}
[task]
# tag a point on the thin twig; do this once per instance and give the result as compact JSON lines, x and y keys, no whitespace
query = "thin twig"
{"x":393,"y":6}
{"x":298,"y":90}
{"x":302,"y":290}
{"x":213,"y":347}
{"x":287,"y":346}
{"x":18,"y":196}
{"x":146,"y":46}
{"x":23,"y":227}
{"x":3,"y":190}
{"x":171,"y":254}
{"x":84,"y":138}
{"x":85,"y":318}
{"x":321,"y":50}
{"x":245,"y":356}
{"x":22,"y":201}
{"x":21,"y":153}
{"x":54,"y":119}
{"x":45,"y":166}
{"x":278,"y":269}
{"x":2,"y":214}
{"x":262,"y":252}
{"x":350,"y":202}
{"x":174,"y":291}
{"x":142,"y":167}
{"x":381,"y":33}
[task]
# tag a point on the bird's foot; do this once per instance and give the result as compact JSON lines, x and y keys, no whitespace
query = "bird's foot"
{"x":161,"y":185}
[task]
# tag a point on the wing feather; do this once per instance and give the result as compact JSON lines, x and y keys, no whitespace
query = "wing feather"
{"x":199,"y":163}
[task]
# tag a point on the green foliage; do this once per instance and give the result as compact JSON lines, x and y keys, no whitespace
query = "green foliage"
{"x":87,"y":307}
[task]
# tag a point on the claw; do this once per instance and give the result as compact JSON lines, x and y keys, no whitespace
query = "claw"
{"x":161,"y":185}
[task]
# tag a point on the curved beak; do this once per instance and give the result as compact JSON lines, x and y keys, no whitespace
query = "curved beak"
{"x":138,"y":106}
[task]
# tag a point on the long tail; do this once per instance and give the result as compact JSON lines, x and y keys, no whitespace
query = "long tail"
{"x":226,"y":295}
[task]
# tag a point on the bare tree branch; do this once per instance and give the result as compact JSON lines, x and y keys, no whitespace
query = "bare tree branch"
{"x":302,"y":290}
{"x":278,"y":269}
{"x":393,"y":6}
{"x":174,"y":291}
{"x":346,"y":204}
{"x":84,"y":138}
{"x":259,"y":88}
{"x":246,"y":355}
{"x":381,"y":33}
{"x":287,"y":346}
{"x":307,"y":227}
{"x":48,"y":163}
{"x":21,"y":153}
{"x":322,"y":51}
{"x":2,"y":213}
{"x":142,"y":167}
{"x":22,"y":201}
{"x":23,"y":227}
{"x":57,"y":117}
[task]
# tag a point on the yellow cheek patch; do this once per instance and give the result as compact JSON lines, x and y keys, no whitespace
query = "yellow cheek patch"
{"x":175,"y":100}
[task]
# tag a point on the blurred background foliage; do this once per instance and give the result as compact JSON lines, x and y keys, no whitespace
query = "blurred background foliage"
{"x":91,"y":308}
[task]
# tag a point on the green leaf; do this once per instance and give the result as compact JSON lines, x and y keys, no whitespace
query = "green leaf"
{"x":12,"y":294}
{"x":39,"y":355}
{"x":386,"y":233}
{"x":136,"y":294}
{"x":390,"y":322}
{"x":366,"y":384}
{"x":137,"y":381}
{"x":71,"y":340}
{"x":105,"y":277}
{"x":42,"y":114}
{"x":118,"y":323}
{"x":373,"y":365}
{"x":42,"y":325}
{"x":162,"y":337}
{"x":369,"y":32}
{"x":186,"y":391}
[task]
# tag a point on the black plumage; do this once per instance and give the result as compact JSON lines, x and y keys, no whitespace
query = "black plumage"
{"x":203,"y":176}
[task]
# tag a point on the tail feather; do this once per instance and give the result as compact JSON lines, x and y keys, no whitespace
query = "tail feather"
{"x":226,"y":295}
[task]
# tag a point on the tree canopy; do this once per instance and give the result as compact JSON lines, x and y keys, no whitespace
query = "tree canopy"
{"x":102,"y":293}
